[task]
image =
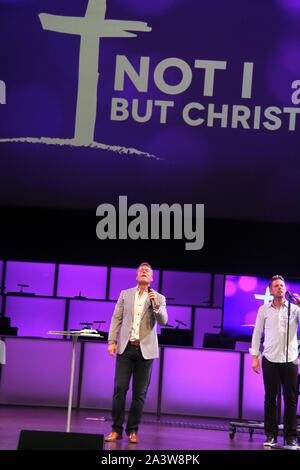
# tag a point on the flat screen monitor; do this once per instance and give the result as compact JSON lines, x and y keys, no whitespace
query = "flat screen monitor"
{"x":243,"y":295}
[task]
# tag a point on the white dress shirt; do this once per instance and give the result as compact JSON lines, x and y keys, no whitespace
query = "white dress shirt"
{"x":273,"y":323}
{"x":139,"y":303}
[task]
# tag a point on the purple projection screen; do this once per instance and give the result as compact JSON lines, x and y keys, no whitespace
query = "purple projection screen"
{"x":243,"y":295}
{"x":201,"y":98}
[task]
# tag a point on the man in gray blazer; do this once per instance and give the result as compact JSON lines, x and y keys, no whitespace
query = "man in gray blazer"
{"x":137,"y":312}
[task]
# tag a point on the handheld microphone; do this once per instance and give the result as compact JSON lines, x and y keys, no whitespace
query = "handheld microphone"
{"x":151,"y":300}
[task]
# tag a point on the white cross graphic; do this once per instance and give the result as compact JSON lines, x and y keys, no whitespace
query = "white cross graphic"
{"x":267,"y":297}
{"x":90,"y":28}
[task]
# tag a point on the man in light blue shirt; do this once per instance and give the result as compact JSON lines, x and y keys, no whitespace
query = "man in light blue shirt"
{"x":278,"y":366}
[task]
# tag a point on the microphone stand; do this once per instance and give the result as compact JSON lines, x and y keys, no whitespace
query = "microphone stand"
{"x":288,"y":328}
{"x":287,"y":341}
{"x":286,"y":361}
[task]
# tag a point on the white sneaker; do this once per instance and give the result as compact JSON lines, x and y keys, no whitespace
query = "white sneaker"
{"x":270,"y":441}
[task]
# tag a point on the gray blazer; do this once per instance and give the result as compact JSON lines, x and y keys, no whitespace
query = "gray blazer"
{"x":123,"y":315}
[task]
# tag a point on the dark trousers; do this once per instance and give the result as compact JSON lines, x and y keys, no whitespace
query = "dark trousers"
{"x":130,"y":363}
{"x":274,"y":374}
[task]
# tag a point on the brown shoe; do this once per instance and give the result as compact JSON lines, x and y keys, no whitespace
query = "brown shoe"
{"x":132,"y":438}
{"x":113,"y":436}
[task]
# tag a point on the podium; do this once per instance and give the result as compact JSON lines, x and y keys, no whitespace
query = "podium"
{"x":75,"y":334}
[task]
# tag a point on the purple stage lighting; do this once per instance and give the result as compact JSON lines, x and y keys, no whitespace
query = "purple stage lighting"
{"x":35,"y":316}
{"x":186,"y":288}
{"x":39,"y":277}
{"x":85,"y":281}
{"x":124,"y":278}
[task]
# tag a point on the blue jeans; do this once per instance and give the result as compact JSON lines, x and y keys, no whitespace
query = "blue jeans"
{"x":130,"y":363}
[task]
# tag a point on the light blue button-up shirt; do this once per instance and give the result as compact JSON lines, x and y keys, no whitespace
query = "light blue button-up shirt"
{"x":273,"y":323}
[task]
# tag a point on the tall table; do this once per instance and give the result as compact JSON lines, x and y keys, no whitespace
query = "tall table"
{"x":74,"y":334}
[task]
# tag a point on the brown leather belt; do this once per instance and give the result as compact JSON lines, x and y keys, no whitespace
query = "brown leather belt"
{"x":134,"y":343}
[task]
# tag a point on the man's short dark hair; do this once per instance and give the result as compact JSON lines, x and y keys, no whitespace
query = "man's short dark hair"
{"x":274,"y":278}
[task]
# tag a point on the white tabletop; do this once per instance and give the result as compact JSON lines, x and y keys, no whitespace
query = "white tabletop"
{"x":87,"y":332}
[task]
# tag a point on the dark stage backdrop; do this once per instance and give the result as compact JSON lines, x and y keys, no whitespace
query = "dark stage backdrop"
{"x":234,"y":247}
{"x":168,"y":101}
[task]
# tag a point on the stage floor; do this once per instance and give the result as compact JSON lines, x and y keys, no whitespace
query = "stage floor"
{"x":168,"y":433}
